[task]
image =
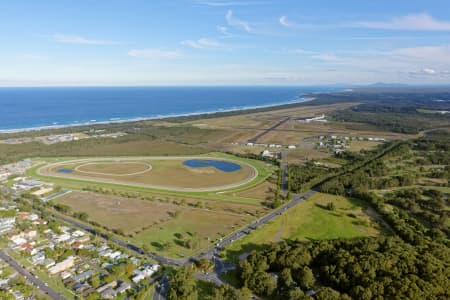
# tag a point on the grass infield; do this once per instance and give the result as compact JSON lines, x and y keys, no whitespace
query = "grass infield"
{"x":155,"y":173}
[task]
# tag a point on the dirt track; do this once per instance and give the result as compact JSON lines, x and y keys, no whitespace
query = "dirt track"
{"x":46,"y":171}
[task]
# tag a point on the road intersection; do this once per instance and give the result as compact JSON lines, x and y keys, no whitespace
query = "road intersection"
{"x":30,"y":277}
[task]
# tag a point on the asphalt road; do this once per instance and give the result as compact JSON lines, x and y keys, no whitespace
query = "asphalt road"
{"x":224,"y":266}
{"x":139,"y":250}
{"x":30,"y":277}
{"x":161,"y":289}
{"x":266,"y":131}
{"x":212,"y":254}
{"x":220,"y":266}
{"x":284,"y":172}
{"x":264,"y":220}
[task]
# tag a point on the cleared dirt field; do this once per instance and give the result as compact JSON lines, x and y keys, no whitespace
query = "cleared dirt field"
{"x":263,"y":191}
{"x":262,"y":119}
{"x":363,"y":145}
{"x":156,"y":223}
{"x":116,"y":212}
{"x":159,"y":172}
{"x":201,"y":227}
{"x":240,"y":128}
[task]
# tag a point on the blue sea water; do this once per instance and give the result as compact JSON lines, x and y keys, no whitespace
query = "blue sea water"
{"x":22,"y":108}
{"x":221,"y":165}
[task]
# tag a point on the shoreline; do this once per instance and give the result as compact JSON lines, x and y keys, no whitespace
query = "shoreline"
{"x":302,"y":99}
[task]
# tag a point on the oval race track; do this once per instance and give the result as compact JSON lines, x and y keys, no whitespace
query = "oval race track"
{"x":48,"y":170}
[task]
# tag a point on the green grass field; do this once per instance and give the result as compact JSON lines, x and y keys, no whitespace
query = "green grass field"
{"x":201,"y":228}
{"x":311,"y":220}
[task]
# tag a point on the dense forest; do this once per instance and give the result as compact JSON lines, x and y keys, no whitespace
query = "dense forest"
{"x":377,"y":268}
{"x":404,"y":110}
{"x":303,"y":177}
{"x":402,"y":122}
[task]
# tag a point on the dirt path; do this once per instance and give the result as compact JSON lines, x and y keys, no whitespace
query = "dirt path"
{"x":280,"y":231}
{"x":373,"y":214}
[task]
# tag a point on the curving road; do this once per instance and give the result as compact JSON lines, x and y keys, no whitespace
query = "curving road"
{"x":30,"y":277}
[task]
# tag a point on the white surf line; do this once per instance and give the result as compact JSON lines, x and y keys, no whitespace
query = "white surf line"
{"x":253,"y":173}
{"x":149,"y":168}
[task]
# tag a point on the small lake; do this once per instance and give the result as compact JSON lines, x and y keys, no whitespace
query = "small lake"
{"x":221,"y":165}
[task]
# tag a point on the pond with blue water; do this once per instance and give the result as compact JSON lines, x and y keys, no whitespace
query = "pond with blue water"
{"x":64,"y":170}
{"x":220,"y":165}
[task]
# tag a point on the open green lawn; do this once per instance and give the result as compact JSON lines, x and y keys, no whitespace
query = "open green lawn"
{"x":311,"y":220}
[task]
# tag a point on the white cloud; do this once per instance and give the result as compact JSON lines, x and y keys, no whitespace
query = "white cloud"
{"x":430,"y":72}
{"x":232,"y":21}
{"x":412,"y":22}
{"x":435,"y":54}
{"x":35,"y":57}
{"x":327,"y":57}
{"x":230,"y":3}
{"x":302,"y":52}
{"x":75,"y":39}
{"x":202,"y":43}
{"x":224,"y":31}
{"x":410,"y":56}
{"x":284,"y":22}
{"x":154,"y":53}
{"x":409,"y":22}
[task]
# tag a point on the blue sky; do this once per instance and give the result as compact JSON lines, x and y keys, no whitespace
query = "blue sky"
{"x":221,"y":42}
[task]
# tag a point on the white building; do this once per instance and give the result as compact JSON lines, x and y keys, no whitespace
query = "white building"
{"x":7,"y":224}
{"x":4,"y":175}
{"x":315,"y":119}
{"x":62,"y":266}
{"x":38,"y":258}
{"x":147,"y":271}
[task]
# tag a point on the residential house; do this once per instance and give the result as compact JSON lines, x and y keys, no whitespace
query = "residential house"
{"x":62,"y":266}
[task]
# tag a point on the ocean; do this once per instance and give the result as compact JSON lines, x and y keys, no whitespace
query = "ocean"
{"x":28,"y":108}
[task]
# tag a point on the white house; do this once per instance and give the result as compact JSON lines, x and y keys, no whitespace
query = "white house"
{"x":62,"y":266}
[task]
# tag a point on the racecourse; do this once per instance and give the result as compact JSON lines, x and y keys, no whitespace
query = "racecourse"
{"x":159,"y":172}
